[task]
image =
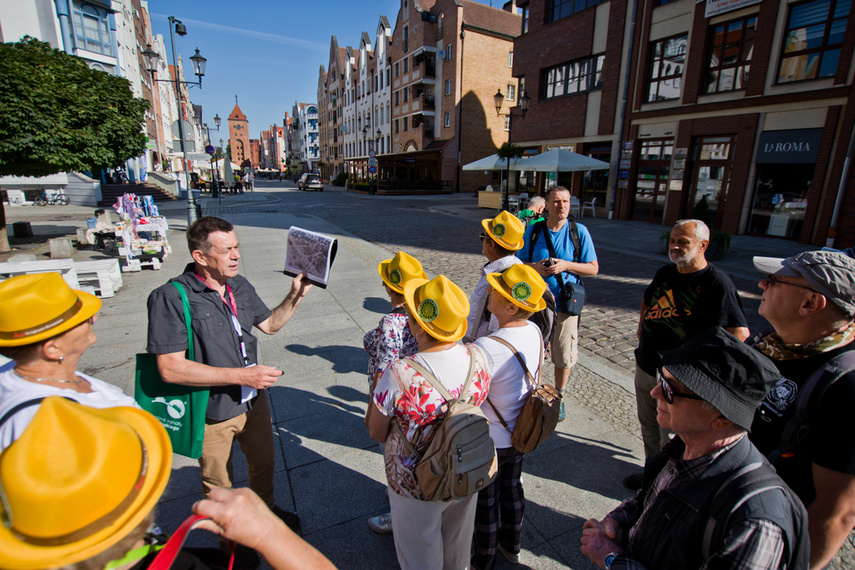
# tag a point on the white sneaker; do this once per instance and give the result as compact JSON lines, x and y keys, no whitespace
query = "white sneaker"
{"x":512,"y":558}
{"x":381,"y":524}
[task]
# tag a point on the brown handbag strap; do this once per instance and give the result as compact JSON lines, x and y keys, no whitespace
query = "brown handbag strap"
{"x":535,"y":381}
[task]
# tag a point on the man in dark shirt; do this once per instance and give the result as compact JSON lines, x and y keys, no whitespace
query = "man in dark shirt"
{"x":224,"y":309}
{"x":810,"y":301}
{"x":685,"y":298}
{"x":710,"y":499}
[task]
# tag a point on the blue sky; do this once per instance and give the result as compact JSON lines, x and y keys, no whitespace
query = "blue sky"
{"x":267,"y":52}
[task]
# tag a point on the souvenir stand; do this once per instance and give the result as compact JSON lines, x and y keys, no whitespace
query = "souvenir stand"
{"x":142,"y":231}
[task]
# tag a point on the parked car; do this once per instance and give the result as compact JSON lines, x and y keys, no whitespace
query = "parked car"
{"x":310,"y":181}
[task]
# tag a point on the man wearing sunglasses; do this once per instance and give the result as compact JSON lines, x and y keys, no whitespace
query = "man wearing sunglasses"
{"x":804,"y":425}
{"x":709,"y":498}
{"x":685,"y":298}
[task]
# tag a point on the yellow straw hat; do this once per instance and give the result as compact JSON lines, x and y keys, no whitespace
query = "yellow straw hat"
{"x":77,"y":481}
{"x":439,"y":306}
{"x":40,"y":306}
{"x":506,"y":230}
{"x":521,"y":285}
{"x":397,"y":271}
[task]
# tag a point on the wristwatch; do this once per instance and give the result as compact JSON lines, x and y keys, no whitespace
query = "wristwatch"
{"x":610,"y":558}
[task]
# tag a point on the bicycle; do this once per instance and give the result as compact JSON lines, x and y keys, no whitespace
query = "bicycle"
{"x":56,"y":199}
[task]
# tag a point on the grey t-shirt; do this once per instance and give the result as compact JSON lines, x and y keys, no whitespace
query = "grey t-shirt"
{"x":215,"y":339}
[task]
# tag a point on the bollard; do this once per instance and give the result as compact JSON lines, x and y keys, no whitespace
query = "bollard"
{"x":61,"y":248}
{"x":22,"y":229}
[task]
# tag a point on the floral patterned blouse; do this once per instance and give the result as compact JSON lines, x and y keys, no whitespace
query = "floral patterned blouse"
{"x":405,"y":395}
{"x":390,"y":341}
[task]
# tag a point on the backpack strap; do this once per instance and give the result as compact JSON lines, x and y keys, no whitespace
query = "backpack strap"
{"x":449,"y":401}
{"x":24,"y":405}
{"x":810,"y":395}
{"x":747,"y":482}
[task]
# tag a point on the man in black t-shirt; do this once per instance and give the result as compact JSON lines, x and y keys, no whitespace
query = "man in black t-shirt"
{"x":810,"y":301}
{"x":684,"y":299}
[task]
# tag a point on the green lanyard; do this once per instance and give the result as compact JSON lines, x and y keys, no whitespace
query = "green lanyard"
{"x":133,"y":555}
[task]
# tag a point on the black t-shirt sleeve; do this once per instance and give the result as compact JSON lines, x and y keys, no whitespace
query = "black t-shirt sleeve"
{"x":722,"y":302}
{"x":831,"y":442}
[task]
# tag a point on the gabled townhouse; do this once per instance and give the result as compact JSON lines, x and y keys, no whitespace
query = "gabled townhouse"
{"x":331,"y":91}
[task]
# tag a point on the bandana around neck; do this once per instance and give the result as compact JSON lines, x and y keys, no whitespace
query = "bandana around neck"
{"x":775,"y":348}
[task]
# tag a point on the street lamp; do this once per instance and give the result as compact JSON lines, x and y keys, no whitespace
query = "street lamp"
{"x":198,"y":62}
{"x":498,"y":98}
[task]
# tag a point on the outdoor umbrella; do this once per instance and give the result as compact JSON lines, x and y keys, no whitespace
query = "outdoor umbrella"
{"x":493,"y":162}
{"x":229,"y":175}
{"x":559,"y":160}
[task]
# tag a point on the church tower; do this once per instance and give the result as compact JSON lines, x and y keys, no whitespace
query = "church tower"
{"x":238,"y":135}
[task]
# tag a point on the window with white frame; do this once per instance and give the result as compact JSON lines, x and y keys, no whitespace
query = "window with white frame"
{"x":507,"y":122}
{"x":573,"y":77}
{"x":510,"y":59}
{"x":511,"y":95}
{"x":92,"y":29}
{"x":448,"y":55}
{"x":447,"y":119}
{"x":448,"y":86}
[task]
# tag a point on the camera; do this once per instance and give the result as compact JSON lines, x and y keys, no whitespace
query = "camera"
{"x":548,"y":263}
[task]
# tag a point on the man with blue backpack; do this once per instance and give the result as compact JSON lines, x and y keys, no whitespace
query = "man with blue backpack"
{"x":804,"y":425}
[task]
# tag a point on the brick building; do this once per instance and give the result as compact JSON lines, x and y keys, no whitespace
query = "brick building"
{"x":239,"y":138}
{"x":764,"y":152}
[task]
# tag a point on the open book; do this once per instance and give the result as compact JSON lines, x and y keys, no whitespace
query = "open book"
{"x":311,"y":253}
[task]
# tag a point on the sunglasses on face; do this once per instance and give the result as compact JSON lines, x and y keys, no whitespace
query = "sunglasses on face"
{"x":669,"y":393}
{"x":772,"y":280}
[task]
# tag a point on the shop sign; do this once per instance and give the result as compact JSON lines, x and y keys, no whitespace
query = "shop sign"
{"x":789,"y":147}
{"x":715,"y":7}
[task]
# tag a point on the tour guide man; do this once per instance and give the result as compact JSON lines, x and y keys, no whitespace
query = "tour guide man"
{"x":567,"y":266}
{"x":224,"y":308}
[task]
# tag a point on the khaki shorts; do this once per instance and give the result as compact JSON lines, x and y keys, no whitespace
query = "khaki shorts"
{"x":565,"y":340}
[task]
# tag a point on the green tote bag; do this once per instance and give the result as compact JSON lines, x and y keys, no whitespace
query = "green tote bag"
{"x":181,"y":409}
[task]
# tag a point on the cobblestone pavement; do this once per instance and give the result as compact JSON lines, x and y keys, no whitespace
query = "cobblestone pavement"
{"x":449,"y":245}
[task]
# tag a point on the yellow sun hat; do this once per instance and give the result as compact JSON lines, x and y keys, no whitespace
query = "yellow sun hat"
{"x":77,"y":481}
{"x":521,"y":285}
{"x":506,"y":230}
{"x":397,"y":271}
{"x":40,"y":306}
{"x":439,"y":306}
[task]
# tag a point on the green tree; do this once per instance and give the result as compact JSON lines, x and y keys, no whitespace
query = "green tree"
{"x":60,"y":116}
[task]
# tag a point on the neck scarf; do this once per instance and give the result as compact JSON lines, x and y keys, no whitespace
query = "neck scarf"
{"x":775,"y":348}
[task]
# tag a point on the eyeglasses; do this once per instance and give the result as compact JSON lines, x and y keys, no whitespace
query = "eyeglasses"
{"x":669,"y":393}
{"x":482,"y":236}
{"x":772,"y":280}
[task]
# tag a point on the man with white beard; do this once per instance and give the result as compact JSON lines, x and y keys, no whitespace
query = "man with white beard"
{"x":685,"y":298}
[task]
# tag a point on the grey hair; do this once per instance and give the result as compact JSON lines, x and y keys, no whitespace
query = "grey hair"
{"x":535,"y":202}
{"x":702,"y":231}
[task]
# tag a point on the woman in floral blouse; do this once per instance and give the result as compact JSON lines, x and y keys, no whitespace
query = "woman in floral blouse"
{"x":428,"y":534}
{"x":392,"y":339}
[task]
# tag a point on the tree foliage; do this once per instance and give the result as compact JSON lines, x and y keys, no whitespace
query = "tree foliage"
{"x":59,"y":115}
{"x":508,"y":150}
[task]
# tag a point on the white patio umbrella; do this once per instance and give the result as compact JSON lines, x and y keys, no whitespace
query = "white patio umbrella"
{"x":493,"y":162}
{"x":559,"y":160}
{"x":229,"y":174}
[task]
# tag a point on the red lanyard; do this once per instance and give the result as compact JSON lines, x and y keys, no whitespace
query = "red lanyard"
{"x":233,"y":308}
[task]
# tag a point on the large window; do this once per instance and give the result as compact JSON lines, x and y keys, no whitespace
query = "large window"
{"x":730,"y":55}
{"x":92,"y":29}
{"x":813,"y":39}
{"x":557,"y":9}
{"x":574,"y":77}
{"x":524,"y":13}
{"x":666,"y":68}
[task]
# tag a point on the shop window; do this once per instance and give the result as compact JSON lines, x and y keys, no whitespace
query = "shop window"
{"x":558,"y":9}
{"x":710,"y":181}
{"x":574,"y":77}
{"x":92,"y":29}
{"x":812,"y":40}
{"x":668,"y":57}
{"x":731,"y":47}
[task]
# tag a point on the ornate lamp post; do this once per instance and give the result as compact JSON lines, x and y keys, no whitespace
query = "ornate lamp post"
{"x":498,"y":98}
{"x":176,"y":27}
